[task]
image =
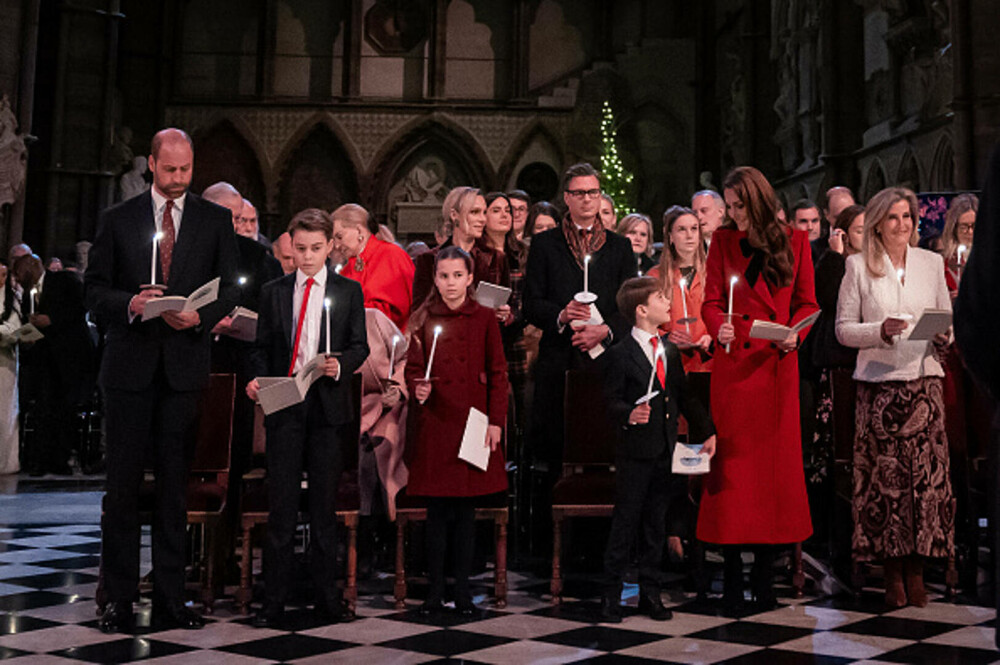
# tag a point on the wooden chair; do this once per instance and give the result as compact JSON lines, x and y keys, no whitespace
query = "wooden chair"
{"x":411,"y":509}
{"x":254,"y":507}
{"x":587,"y":485}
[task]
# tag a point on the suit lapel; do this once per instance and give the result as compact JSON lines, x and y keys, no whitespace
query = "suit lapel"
{"x":759,"y":288}
{"x":638,"y":356}
{"x":145,"y":229}
{"x":286,"y":302}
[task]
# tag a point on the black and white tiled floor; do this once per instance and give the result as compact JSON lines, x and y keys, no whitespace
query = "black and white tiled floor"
{"x":48,"y":576}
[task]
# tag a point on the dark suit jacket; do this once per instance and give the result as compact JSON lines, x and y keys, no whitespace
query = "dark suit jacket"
{"x":254,"y":263}
{"x":119,"y":264}
{"x":272,"y":352}
{"x":626,"y":380}
{"x":553,"y":277}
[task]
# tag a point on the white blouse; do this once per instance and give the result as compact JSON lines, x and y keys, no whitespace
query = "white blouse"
{"x":866,"y":301}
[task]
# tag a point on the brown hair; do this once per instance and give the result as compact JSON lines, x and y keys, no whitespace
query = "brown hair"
{"x":960,"y":205}
{"x":669,"y":256}
{"x":765,"y":231}
{"x":634,"y":292}
{"x":536,"y":211}
{"x":311,"y":219}
{"x":876,"y":212}
{"x":581,"y":170}
{"x":166,"y":136}
{"x":419,"y":316}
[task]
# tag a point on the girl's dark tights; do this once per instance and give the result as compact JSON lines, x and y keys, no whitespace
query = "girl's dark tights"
{"x":461,"y":513}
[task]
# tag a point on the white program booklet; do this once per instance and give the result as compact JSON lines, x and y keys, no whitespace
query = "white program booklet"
{"x":474,"y":449}
{"x":27,"y":333}
{"x":777,"y":332}
{"x":203,"y":295}
{"x":492,"y":295}
{"x":595,"y":320}
{"x":689,"y":460}
{"x":244,"y":324}
{"x":280,"y":392}
{"x":932,"y":322}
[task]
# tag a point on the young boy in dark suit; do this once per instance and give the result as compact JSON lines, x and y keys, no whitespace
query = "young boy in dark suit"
{"x":291,"y":331}
{"x":646,"y":445}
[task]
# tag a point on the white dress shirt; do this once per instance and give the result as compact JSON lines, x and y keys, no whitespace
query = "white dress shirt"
{"x":642,"y":338}
{"x":866,"y":301}
{"x":160,"y":204}
{"x":309,"y":342}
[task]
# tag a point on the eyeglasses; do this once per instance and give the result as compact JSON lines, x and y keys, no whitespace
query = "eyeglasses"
{"x":581,"y":193}
{"x":967,"y":227}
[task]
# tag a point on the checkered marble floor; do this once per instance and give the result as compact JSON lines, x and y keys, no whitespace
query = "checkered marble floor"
{"x":48,"y":576}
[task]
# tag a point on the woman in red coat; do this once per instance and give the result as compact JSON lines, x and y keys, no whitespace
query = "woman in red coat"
{"x":468,"y":371}
{"x":755,"y":495}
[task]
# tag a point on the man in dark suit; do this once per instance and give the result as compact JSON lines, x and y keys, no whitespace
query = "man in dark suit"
{"x":292,"y":331}
{"x":646,"y":446}
{"x":152,"y":372}
{"x":57,"y":372}
{"x":553,"y":276}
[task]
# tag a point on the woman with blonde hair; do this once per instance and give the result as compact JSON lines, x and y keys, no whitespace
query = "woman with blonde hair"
{"x":956,"y":239}
{"x":903,"y":507}
{"x":638,"y":228}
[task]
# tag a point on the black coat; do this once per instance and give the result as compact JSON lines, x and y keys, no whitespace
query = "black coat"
{"x":627,"y":372}
{"x":119,"y":264}
{"x":272,"y":352}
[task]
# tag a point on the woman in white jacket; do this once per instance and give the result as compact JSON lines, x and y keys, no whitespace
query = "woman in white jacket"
{"x":10,"y":320}
{"x":904,"y":510}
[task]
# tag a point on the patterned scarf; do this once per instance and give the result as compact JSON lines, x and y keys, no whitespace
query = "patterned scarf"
{"x":579,"y":245}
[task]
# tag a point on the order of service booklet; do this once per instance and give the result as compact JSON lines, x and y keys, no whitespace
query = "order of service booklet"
{"x":280,"y":392}
{"x":203,"y":295}
{"x":777,"y":332}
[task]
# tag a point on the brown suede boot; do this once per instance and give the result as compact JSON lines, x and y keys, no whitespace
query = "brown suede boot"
{"x":895,"y":594}
{"x":915,"y":581}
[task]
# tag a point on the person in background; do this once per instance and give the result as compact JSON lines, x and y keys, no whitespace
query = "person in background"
{"x":519,"y":204}
{"x":959,"y":228}
{"x":903,"y":506}
{"x":541,"y":217}
{"x":249,"y":213}
{"x":10,"y":320}
{"x":837,"y":199}
{"x":639,"y":230}
{"x":710,"y":209}
{"x":283,"y":252}
{"x":846,"y":239}
{"x":757,"y":380}
{"x":606,"y":212}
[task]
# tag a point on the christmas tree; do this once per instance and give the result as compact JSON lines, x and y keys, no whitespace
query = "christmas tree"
{"x":615,"y":179}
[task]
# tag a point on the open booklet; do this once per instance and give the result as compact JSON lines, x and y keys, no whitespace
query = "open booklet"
{"x":203,"y":295}
{"x":243,"y":325}
{"x":280,"y":392}
{"x":777,"y":332}
{"x":492,"y":295}
{"x":932,"y":322}
{"x":26,"y":334}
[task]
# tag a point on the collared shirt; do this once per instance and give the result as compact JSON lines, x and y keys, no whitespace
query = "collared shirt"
{"x":309,"y":342}
{"x":160,"y":204}
{"x":642,"y":338}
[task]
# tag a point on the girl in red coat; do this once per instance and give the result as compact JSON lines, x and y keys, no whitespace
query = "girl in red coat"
{"x":468,"y":371}
{"x":755,"y":495}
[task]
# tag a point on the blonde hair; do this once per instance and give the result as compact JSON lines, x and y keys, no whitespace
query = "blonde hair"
{"x":456,"y":200}
{"x":876,"y":212}
{"x":960,"y":205}
{"x":352,"y":214}
{"x":633,"y":219}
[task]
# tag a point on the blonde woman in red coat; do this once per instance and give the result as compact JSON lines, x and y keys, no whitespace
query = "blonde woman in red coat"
{"x":469,"y":370}
{"x":755,"y":495}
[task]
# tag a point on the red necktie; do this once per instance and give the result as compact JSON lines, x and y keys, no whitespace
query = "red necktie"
{"x":167,"y":241}
{"x":661,"y":369}
{"x":298,"y":328}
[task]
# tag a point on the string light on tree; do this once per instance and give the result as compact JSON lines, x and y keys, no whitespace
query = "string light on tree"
{"x":615,"y":179}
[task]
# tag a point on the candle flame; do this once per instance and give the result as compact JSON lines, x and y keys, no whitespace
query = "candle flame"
{"x":242,"y":280}
{"x":963,"y":248}
{"x":395,"y":340}
{"x":683,"y":282}
{"x":437,"y":330}
{"x":734,"y":279}
{"x":899,"y":273}
{"x":586,"y":259}
{"x":338,"y":268}
{"x":158,"y":236}
{"x":327,"y":302}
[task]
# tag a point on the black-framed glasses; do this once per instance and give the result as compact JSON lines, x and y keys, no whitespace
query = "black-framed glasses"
{"x":581,"y":193}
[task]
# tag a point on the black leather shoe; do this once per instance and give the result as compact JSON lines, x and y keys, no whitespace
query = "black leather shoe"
{"x":465,"y":607}
{"x":651,"y":604}
{"x":176,"y":615}
{"x":270,"y":616}
{"x":430,"y":606}
{"x":335,"y":611}
{"x":611,"y":610}
{"x":117,"y":618}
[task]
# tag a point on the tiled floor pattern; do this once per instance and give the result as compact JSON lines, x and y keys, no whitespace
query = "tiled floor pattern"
{"x":48,"y":577}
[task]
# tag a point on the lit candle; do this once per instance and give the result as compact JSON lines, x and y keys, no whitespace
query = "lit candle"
{"x":683,"y":284}
{"x":430,"y":360}
{"x":33,"y":301}
{"x":586,"y":274}
{"x":337,"y":268}
{"x":962,"y":249}
{"x":729,"y":315}
{"x":156,"y":246}
{"x":899,"y":294}
{"x":326,"y":305}
{"x":392,"y":354}
{"x":242,"y":281}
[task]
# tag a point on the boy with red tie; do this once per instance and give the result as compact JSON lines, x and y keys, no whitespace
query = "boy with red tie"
{"x":646,"y":445}
{"x":291,"y":331}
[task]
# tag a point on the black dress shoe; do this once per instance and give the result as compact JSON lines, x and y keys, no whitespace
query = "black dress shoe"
{"x":117,"y":618}
{"x":465,"y":607}
{"x":270,"y":616}
{"x":651,"y":604}
{"x":335,"y":611}
{"x":611,"y":610}
{"x":176,"y":615}
{"x":430,"y":606}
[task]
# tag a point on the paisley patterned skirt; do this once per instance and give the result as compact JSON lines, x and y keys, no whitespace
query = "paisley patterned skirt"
{"x":903,"y":502}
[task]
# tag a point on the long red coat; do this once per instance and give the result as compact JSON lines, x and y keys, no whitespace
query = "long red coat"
{"x":469,"y":371}
{"x":386,"y":278}
{"x":755,"y":492}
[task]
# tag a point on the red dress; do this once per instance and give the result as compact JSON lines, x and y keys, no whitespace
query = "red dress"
{"x":755,"y":492}
{"x":386,"y":277}
{"x":469,"y":371}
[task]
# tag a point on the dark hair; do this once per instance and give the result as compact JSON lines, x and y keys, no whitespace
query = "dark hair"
{"x":520,"y":195}
{"x":634,"y":292}
{"x":27,"y":270}
{"x":847,"y":215}
{"x":803,"y":204}
{"x":311,"y":219}
{"x":765,"y":230}
{"x":540,"y":208}
{"x":419,"y":316}
{"x":512,"y":247}
{"x":8,"y":292}
{"x":581,"y":170}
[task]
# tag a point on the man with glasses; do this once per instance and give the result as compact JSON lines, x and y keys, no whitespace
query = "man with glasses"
{"x":554,"y":275}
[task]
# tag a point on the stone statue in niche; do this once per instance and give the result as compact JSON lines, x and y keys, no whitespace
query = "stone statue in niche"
{"x":133,"y":182}
{"x":415,"y":199}
{"x":786,"y":136}
{"x":13,"y":155}
{"x":426,"y":181}
{"x":734,"y":115}
{"x":121,"y":153}
{"x":396,"y":27}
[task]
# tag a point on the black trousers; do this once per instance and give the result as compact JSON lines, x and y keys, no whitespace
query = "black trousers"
{"x":166,"y":419}
{"x":50,"y":405}
{"x":642,"y":494}
{"x":461,"y":513}
{"x":298,"y":438}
